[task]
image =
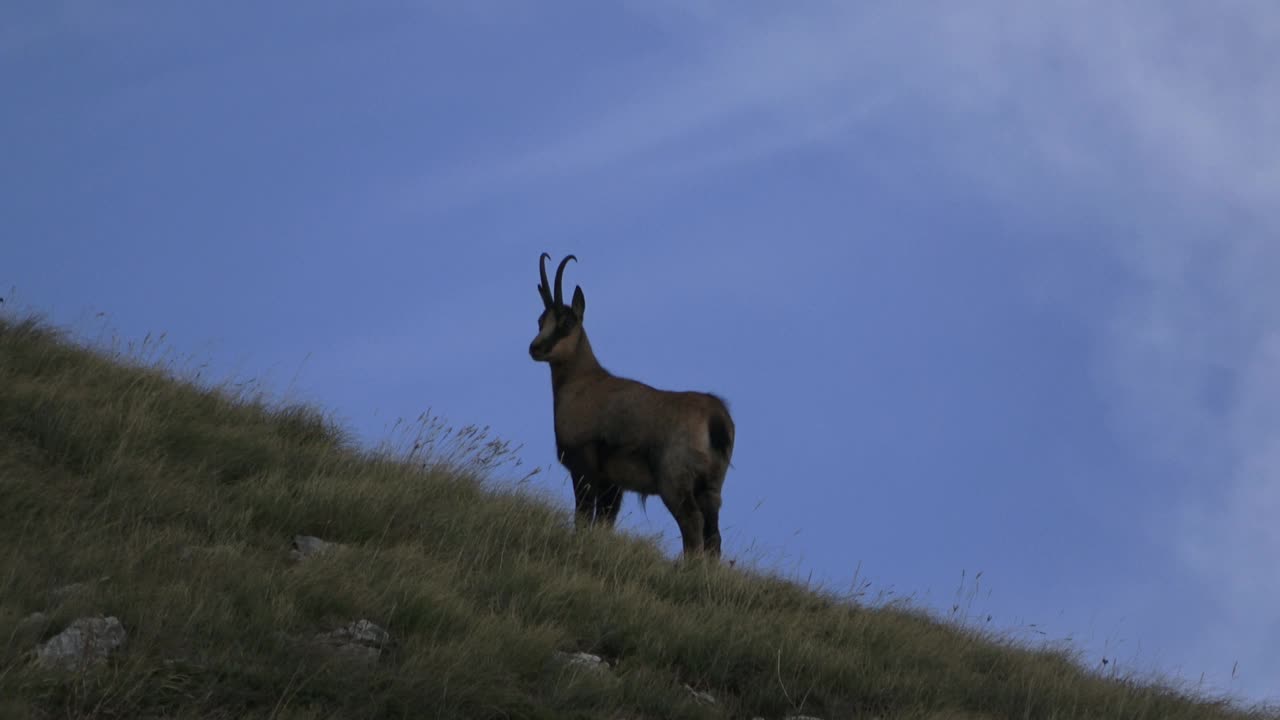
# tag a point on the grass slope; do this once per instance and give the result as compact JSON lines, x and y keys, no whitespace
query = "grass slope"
{"x":173,"y":507}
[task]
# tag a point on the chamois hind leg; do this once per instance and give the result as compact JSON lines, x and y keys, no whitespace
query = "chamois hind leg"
{"x":684,"y":507}
{"x":708,"y":501}
{"x":707,"y":494}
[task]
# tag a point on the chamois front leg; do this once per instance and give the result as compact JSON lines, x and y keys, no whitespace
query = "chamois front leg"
{"x":597,"y":502}
{"x":597,"y":499}
{"x":584,"y":503}
{"x":684,"y":507}
{"x":608,"y":503}
{"x":580,"y":462}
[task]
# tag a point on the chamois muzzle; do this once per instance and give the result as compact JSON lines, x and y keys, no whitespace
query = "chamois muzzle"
{"x":536,"y":351}
{"x":553,"y":307}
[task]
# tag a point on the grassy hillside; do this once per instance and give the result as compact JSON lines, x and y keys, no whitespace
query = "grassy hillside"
{"x":126,"y":492}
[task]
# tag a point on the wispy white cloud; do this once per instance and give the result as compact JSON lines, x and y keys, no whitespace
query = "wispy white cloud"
{"x":727,"y":92}
{"x":1172,"y":112}
{"x":1193,"y":356}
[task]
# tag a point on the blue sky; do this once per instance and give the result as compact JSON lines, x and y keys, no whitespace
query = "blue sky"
{"x":989,"y":288}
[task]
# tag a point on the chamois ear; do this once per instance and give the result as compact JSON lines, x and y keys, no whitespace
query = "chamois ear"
{"x":579,"y":302}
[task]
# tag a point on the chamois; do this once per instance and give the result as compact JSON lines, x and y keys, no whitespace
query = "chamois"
{"x":615,"y":434}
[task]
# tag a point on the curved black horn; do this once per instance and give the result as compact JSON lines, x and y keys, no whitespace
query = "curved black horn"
{"x":545,"y":288}
{"x":559,"y":298}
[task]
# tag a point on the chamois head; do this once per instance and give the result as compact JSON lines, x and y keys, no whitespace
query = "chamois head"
{"x":560,"y":325}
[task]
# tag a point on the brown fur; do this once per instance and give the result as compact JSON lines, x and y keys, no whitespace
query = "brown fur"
{"x":615,"y":434}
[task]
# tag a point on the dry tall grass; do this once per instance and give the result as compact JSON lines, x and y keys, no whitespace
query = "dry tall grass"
{"x":173,"y":506}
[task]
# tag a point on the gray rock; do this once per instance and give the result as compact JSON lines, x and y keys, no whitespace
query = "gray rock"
{"x":305,"y":546}
{"x":699,"y":696}
{"x":85,"y":642}
{"x":361,"y":641}
{"x":62,"y":593}
{"x":35,"y":618}
{"x":365,"y":633}
{"x":583,"y":661}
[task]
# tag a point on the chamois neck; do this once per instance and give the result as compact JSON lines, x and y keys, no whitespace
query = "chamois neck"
{"x":581,"y":363}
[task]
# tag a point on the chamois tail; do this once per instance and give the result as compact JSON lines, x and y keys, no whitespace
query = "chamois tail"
{"x":720,"y":428}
